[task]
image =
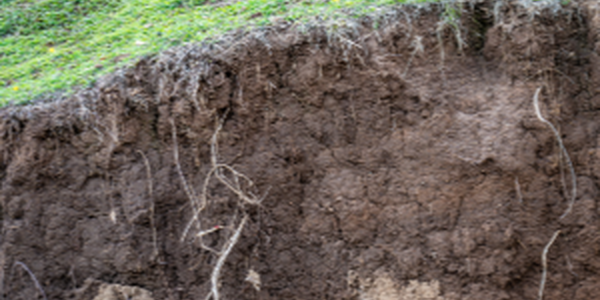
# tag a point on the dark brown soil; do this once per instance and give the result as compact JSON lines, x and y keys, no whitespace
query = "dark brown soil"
{"x":391,"y":173}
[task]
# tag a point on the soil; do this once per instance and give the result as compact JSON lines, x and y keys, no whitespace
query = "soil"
{"x":388,"y":170}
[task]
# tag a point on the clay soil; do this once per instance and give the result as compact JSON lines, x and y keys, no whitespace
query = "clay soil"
{"x":395,"y":163}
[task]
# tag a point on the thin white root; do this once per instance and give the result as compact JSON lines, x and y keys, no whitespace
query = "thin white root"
{"x":561,"y":167}
{"x":217,"y":170}
{"x":150,"y":193}
{"x":562,"y":149}
{"x":518,"y":189}
{"x":208,"y":231}
{"x":214,"y":145}
{"x":545,"y":265}
{"x":214,"y":279}
{"x":194,"y":86}
{"x":570,"y":266}
{"x":438,"y":33}
{"x":234,"y":181}
{"x":418,"y":47}
{"x":35,"y":281}
{"x":188,"y":190}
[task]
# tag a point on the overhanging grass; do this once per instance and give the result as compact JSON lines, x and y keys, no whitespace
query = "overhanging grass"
{"x":53,"y":46}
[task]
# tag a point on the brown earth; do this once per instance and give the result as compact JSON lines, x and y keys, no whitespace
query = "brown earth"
{"x":388,"y":172}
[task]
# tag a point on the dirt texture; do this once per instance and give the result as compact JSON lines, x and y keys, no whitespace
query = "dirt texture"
{"x":404,"y":162}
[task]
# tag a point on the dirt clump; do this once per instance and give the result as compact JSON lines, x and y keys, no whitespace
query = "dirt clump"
{"x":403,"y":162}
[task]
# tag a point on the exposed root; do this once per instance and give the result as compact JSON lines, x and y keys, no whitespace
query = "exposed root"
{"x":35,"y":281}
{"x":438,"y":33}
{"x":214,"y":278}
{"x":235,"y":182}
{"x":418,"y":47}
{"x":545,"y":264}
{"x":562,"y":149}
{"x":570,"y":266}
{"x":150,"y":193}
{"x":561,"y":167}
{"x":194,"y":86}
{"x":518,"y":189}
{"x":188,"y":191}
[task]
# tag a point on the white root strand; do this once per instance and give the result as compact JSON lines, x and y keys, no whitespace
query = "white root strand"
{"x":214,"y":279}
{"x":545,"y":264}
{"x":562,"y":149}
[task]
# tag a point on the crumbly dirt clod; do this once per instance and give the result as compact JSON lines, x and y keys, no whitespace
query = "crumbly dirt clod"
{"x":117,"y":292}
{"x":389,"y":173}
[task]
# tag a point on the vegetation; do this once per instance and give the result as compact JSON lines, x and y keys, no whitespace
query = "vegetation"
{"x":54,"y":46}
{"x":50,"y":46}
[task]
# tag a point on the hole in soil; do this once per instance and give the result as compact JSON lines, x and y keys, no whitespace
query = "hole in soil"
{"x":482,"y":20}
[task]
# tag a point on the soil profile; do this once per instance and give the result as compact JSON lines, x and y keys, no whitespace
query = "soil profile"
{"x":319,"y":161}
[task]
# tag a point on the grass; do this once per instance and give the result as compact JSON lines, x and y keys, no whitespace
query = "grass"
{"x":55,"y":46}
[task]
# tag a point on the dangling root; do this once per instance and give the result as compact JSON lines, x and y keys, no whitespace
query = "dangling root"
{"x":33,"y":278}
{"x":562,"y":149}
{"x":152,"y":222}
{"x":545,"y":265}
{"x":234,"y":181}
{"x":214,"y":278}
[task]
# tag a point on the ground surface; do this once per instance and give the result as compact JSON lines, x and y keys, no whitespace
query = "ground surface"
{"x":48,"y":48}
{"x":388,"y":172}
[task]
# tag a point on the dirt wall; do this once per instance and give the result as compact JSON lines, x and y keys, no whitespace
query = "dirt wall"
{"x":404,"y":162}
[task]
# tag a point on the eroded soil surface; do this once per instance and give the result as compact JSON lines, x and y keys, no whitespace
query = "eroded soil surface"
{"x":394,"y":164}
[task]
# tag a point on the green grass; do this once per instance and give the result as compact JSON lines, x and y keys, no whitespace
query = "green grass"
{"x":49,"y":46}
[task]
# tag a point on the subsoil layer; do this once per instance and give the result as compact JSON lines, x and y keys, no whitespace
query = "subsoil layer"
{"x":404,"y":162}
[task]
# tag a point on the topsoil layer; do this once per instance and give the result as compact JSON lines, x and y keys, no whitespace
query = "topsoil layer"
{"x":405,"y":162}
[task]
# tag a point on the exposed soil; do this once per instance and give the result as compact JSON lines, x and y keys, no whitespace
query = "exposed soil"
{"x":388,"y":172}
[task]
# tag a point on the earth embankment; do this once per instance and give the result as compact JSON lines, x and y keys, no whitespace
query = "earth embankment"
{"x":403,"y":162}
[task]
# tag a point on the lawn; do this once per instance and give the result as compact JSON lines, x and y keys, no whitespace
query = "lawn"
{"x":56,"y":46}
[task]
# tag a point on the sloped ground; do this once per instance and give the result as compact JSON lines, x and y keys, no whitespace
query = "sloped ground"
{"x":388,"y":172}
